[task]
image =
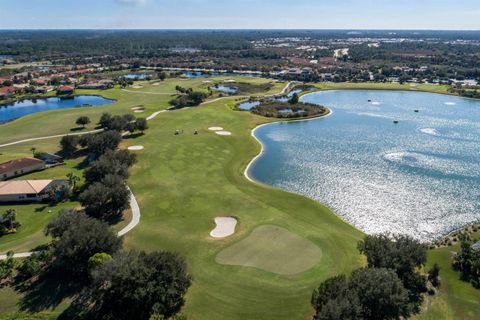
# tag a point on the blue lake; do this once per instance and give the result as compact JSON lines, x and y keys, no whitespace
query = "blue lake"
{"x":22,"y":108}
{"x":419,"y":177}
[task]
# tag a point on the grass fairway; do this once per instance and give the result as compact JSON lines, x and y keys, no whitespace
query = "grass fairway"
{"x":457,"y":299}
{"x":272,"y":249}
{"x":182,"y":182}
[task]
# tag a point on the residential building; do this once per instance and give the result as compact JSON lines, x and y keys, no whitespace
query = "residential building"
{"x":17,"y":167}
{"x":31,"y":190}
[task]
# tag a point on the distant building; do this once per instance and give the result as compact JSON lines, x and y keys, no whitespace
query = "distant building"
{"x":65,"y":90}
{"x":98,"y":85}
{"x":7,"y":92}
{"x":31,"y":190}
{"x":17,"y":167}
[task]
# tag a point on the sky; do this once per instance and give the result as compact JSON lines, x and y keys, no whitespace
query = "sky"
{"x":240,"y":14}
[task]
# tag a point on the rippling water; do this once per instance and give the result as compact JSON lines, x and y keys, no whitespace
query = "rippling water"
{"x":419,"y":177}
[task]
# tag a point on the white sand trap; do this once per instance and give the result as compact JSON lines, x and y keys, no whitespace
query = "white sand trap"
{"x":225,"y":227}
{"x":156,"y":84}
{"x":223,"y":133}
{"x":229,"y":81}
{"x":135,"y":148}
{"x":215,"y":128}
{"x":139,"y":111}
{"x":207,"y":81}
{"x":137,"y":87}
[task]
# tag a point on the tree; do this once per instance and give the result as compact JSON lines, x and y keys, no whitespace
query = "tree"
{"x":107,"y":198}
{"x":72,"y":179}
{"x":98,"y":259}
{"x":381,"y":293}
{"x":136,"y":285}
{"x":434,"y":275}
{"x":83,"y":121}
{"x":34,"y":265}
{"x":162,"y":76}
{"x":77,"y":238}
{"x":110,"y":163}
{"x":68,"y":145}
{"x":370,"y":293}
{"x":8,"y":222}
{"x":402,"y":254}
{"x":33,"y":150}
{"x":105,"y":120}
{"x":294,"y":99}
{"x":131,"y":127}
{"x":7,"y":268}
{"x":100,"y":143}
{"x":332,"y":300}
{"x":141,"y":124}
{"x":467,"y":261}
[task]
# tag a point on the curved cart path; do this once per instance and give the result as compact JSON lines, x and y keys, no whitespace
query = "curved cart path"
{"x":133,"y":201}
{"x":132,"y":224}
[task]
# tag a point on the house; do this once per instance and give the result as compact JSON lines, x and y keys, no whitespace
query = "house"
{"x":17,"y":167}
{"x":31,"y":190}
{"x":5,"y":79}
{"x":7,"y":92}
{"x":65,"y":90}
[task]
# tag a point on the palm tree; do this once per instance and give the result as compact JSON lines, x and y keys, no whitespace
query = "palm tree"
{"x":10,"y":216}
{"x":73,"y":179}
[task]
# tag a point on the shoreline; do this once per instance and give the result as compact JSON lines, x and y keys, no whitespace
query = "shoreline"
{"x":250,"y":178}
{"x":262,"y":147}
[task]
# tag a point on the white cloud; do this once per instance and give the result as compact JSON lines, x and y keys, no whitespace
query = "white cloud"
{"x":131,"y":2}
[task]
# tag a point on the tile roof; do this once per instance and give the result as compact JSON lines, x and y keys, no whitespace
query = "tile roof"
{"x":23,"y":186}
{"x":18,"y":164}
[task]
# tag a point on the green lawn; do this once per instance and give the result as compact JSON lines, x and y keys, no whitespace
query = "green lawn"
{"x":182,"y":182}
{"x":272,"y":249}
{"x":457,"y":299}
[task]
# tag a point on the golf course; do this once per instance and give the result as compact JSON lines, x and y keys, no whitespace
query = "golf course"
{"x":283,"y":244}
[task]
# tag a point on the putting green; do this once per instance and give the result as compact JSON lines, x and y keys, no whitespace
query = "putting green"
{"x":272,"y":249}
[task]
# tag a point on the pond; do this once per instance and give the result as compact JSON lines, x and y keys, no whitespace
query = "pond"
{"x":137,"y":76}
{"x":248,"y":105}
{"x":225,"y":89}
{"x":22,"y":108}
{"x":202,"y":74}
{"x":419,"y":177}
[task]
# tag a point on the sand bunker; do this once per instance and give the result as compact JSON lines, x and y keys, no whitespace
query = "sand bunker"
{"x":229,"y":81}
{"x":223,"y":133}
{"x":207,"y":81}
{"x":215,"y":128}
{"x":138,"y":109}
{"x":137,"y":87}
{"x":156,"y":84}
{"x":225,"y":227}
{"x":273,"y":249}
{"x":135,"y":148}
